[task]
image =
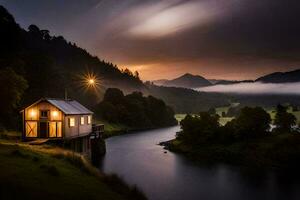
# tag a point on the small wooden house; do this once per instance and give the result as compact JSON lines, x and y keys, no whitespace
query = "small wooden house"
{"x":58,"y":119}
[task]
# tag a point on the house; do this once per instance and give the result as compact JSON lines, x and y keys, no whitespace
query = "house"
{"x":58,"y":119}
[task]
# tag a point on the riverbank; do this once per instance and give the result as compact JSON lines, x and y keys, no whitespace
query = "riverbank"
{"x":113,"y":129}
{"x":47,"y":172}
{"x":277,"y":152}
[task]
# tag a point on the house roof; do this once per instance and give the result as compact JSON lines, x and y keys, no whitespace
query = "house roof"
{"x":68,"y":107}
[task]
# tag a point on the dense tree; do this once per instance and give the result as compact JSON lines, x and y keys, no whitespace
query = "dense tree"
{"x":11,"y":90}
{"x":284,"y":120}
{"x":205,"y":129}
{"x":212,"y":111}
{"x":199,"y":128}
{"x":251,"y":123}
{"x":233,"y":111}
{"x":134,"y":110}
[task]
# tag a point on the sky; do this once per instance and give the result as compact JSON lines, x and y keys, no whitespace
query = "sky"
{"x":163,"y":39}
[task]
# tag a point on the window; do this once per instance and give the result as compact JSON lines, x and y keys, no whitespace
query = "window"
{"x":44,"y":114}
{"x":55,"y":129}
{"x":72,"y":122}
{"x":82,"y":120}
{"x":89,"y":119}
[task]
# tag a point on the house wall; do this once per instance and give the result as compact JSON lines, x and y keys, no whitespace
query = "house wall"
{"x":33,"y":112}
{"x":32,"y":118}
{"x":78,"y":129}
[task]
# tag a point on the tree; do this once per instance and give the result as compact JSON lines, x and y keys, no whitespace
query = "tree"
{"x":251,"y":123}
{"x":11,"y":90}
{"x":284,"y":120}
{"x":199,"y":128}
{"x":212,"y":111}
{"x":134,"y":110}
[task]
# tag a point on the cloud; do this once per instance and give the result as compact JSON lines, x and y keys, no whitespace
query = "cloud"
{"x":164,"y":18}
{"x":255,"y":88}
{"x":227,"y":39}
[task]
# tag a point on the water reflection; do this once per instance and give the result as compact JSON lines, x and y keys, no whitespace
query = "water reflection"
{"x":163,"y":176}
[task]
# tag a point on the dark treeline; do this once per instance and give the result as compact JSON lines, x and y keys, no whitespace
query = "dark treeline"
{"x":185,"y":100}
{"x":247,"y":140}
{"x":35,"y":64}
{"x":134,"y":110}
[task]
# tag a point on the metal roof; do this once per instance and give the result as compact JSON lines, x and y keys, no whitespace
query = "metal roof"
{"x":69,"y":107}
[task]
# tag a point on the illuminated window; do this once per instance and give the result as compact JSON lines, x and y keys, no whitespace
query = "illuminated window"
{"x":54,"y":114}
{"x":32,"y":114}
{"x":82,"y":120}
{"x":72,"y":122}
{"x":52,"y":129}
{"x":89,"y":119}
{"x":55,"y":129}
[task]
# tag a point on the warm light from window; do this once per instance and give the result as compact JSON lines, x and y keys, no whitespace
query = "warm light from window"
{"x":32,"y":113}
{"x":82,"y":120}
{"x":89,"y":119}
{"x":72,"y":122}
{"x":54,"y":114}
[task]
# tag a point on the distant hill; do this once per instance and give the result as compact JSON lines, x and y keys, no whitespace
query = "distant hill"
{"x":160,"y":81}
{"x":185,"y":100}
{"x":228,"y":82}
{"x":188,"y":81}
{"x":281,"y":77}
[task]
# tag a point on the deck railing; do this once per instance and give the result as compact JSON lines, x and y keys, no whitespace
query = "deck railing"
{"x":97,"y":130}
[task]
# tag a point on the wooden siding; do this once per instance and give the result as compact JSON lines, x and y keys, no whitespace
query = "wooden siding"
{"x":78,"y":129}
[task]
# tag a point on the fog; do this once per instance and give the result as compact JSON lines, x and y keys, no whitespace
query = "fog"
{"x":255,"y":88}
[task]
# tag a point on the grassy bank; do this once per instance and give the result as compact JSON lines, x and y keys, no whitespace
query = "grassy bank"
{"x":276,"y":152}
{"x":46,"y":172}
{"x":113,"y":129}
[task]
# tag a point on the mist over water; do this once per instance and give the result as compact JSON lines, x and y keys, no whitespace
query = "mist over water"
{"x":255,"y":88}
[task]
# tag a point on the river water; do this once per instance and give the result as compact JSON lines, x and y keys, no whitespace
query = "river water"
{"x":163,"y":175}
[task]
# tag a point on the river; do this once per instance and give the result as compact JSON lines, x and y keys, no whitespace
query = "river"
{"x":163,"y":175}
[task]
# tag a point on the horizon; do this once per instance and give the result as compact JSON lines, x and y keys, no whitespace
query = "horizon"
{"x":161,"y":41}
{"x":221,"y":79}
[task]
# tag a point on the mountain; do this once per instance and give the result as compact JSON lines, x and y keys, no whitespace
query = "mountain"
{"x":188,"y":81}
{"x":281,"y":77}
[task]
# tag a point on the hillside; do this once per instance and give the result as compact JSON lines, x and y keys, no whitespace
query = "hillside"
{"x":45,"y":172}
{"x":50,"y":64}
{"x":281,"y":77}
{"x":188,"y":81}
{"x":184,"y":100}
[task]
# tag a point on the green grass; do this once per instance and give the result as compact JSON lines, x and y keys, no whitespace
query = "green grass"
{"x":180,"y":117}
{"x":223,"y":120}
{"x":44,"y":172}
{"x":10,"y":134}
{"x":112,"y":129}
